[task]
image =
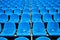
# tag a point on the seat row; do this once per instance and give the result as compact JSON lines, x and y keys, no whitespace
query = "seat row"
{"x":38,"y":29}
{"x":15,"y":11}
{"x":48,"y":4}
{"x":15,"y":4}
{"x":9,"y":29}
{"x":52,"y":29}
{"x":26,"y":17}
{"x":27,"y":10}
{"x":14,"y":18}
{"x":12,"y":4}
{"x":45,"y":10}
{"x":24,"y":38}
{"x":10,"y":11}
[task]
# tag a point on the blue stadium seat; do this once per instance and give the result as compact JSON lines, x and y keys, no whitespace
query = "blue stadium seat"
{"x":21,"y":38}
{"x":9,"y":29}
{"x":26,"y":11}
{"x":25,"y":17}
{"x":4,"y":7}
{"x":3,"y":18}
{"x":38,"y":29}
{"x":56,"y":6}
{"x":14,"y":18}
{"x":20,"y":7}
{"x":0,"y":4}
{"x":9,"y":11}
{"x":58,"y":38}
{"x":12,"y":7}
{"x":48,"y":6}
{"x":43,"y":11}
{"x":53,"y":29}
{"x":57,"y":17}
{"x":0,"y":28}
{"x":47,"y":18}
{"x":52,"y":11}
{"x":17,"y":11}
{"x":35,"y":11}
{"x":1,"y":11}
{"x":2,"y":38}
{"x":23,"y":29}
{"x":40,"y":6}
{"x":27,"y":6}
{"x":34,"y":8}
{"x":42,"y":38}
{"x":59,"y":10}
{"x":36,"y":17}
